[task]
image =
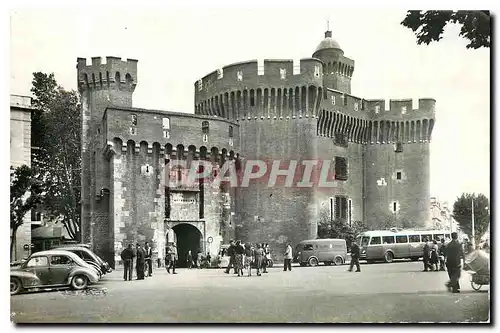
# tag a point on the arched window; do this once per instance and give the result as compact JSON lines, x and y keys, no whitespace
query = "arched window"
{"x":230,"y":131}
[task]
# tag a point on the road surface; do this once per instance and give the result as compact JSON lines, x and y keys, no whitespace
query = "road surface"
{"x":397,"y":292}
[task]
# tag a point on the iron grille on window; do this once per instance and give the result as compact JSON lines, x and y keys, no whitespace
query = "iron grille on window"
{"x":340,"y":208}
{"x":340,"y":139}
{"x":340,"y":168}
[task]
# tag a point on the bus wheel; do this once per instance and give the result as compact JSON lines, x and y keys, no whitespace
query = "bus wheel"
{"x":313,"y":262}
{"x":389,"y":257}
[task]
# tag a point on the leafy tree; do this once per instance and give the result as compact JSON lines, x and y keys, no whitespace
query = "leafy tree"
{"x":428,"y":26}
{"x":338,"y":228}
{"x":462,"y":212}
{"x":56,"y":127}
{"x":25,"y":192}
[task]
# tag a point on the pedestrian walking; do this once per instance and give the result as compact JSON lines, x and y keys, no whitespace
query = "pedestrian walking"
{"x":248,"y":259}
{"x":189,"y":259}
{"x":434,"y":258}
{"x":198,"y":259}
{"x":238,"y":257}
{"x":267,"y":257}
{"x":140,"y":262}
{"x":288,"y":257}
{"x":258,"y":258}
{"x":354,"y":257}
{"x":454,"y":256}
{"x":127,"y":256}
{"x":232,"y":254}
{"x":148,"y":256}
{"x":427,"y":252}
{"x":173,"y":258}
{"x":442,"y":255}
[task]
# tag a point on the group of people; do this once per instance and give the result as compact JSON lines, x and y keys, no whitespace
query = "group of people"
{"x":199,"y":260}
{"x":143,"y":256}
{"x":244,"y":256}
{"x":447,"y":255}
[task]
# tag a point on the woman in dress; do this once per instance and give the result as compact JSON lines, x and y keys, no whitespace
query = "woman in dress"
{"x":248,"y":258}
{"x":238,"y":258}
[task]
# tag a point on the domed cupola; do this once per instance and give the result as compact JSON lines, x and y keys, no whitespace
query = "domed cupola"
{"x":328,"y":43}
{"x":337,"y":68}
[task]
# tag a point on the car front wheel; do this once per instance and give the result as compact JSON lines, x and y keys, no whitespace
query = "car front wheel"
{"x":79,"y":282}
{"x":15,"y":286}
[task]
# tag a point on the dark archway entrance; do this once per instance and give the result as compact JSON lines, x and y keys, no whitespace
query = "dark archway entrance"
{"x":188,"y":238}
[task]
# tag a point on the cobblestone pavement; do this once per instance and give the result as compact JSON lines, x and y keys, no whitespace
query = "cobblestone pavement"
{"x":397,"y":292}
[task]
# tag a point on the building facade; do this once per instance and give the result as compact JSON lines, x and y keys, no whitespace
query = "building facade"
{"x":299,"y":116}
{"x":20,"y":154}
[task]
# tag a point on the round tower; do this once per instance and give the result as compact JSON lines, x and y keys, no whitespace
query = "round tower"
{"x":337,"y":68}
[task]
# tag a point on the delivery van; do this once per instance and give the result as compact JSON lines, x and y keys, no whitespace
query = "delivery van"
{"x":328,"y":251}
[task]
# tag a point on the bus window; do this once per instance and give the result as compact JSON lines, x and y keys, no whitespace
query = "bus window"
{"x":428,"y":236}
{"x":401,"y":239}
{"x":375,"y":241}
{"x":365,"y":241}
{"x":414,"y":238}
{"x":448,"y":236}
{"x":308,"y":247}
{"x":438,"y":237}
{"x":388,"y":239}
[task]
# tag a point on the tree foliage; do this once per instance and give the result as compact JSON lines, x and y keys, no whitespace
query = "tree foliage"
{"x":428,"y":26}
{"x":462,"y":212}
{"x":56,"y":138}
{"x":338,"y":228}
{"x":25,"y":194}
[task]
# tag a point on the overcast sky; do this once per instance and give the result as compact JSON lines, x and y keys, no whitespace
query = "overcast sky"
{"x":176,"y":47}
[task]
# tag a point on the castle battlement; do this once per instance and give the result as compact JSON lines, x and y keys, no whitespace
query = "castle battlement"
{"x":376,"y":108}
{"x":253,"y":75}
{"x":100,"y":74}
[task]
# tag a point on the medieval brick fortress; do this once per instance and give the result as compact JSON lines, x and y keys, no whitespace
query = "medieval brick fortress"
{"x":278,"y":110}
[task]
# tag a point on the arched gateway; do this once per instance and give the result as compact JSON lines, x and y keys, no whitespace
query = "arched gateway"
{"x":187,"y":236}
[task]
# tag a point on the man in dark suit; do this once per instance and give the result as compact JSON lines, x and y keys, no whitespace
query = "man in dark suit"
{"x":231,"y":253}
{"x":139,"y":265}
{"x":427,"y":254}
{"x":127,"y":259}
{"x":354,"y":257}
{"x":454,"y":255}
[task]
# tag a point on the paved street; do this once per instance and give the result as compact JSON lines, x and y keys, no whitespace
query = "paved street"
{"x":397,"y":292}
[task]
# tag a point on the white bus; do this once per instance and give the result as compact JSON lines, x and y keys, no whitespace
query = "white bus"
{"x":387,"y":245}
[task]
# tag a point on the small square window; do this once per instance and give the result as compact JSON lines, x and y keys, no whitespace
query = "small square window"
{"x":356,"y":106}
{"x":403,"y":110}
{"x":283,"y":73}
{"x":166,"y":134}
{"x":344,"y":98}
{"x":377,"y":108}
{"x":133,"y":131}
{"x":399,"y":147}
{"x":133,"y":120}
{"x":398,"y":175}
{"x":316,"y":71}
{"x":333,"y":100}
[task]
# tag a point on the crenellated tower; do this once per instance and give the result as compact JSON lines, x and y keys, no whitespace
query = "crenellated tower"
{"x":101,"y":84}
{"x":337,"y":68}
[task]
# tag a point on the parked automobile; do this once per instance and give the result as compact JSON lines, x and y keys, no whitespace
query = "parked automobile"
{"x":312,"y":252}
{"x":52,"y":268}
{"x":88,"y":256}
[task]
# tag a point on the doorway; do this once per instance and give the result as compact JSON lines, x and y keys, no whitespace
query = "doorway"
{"x":188,"y":238}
